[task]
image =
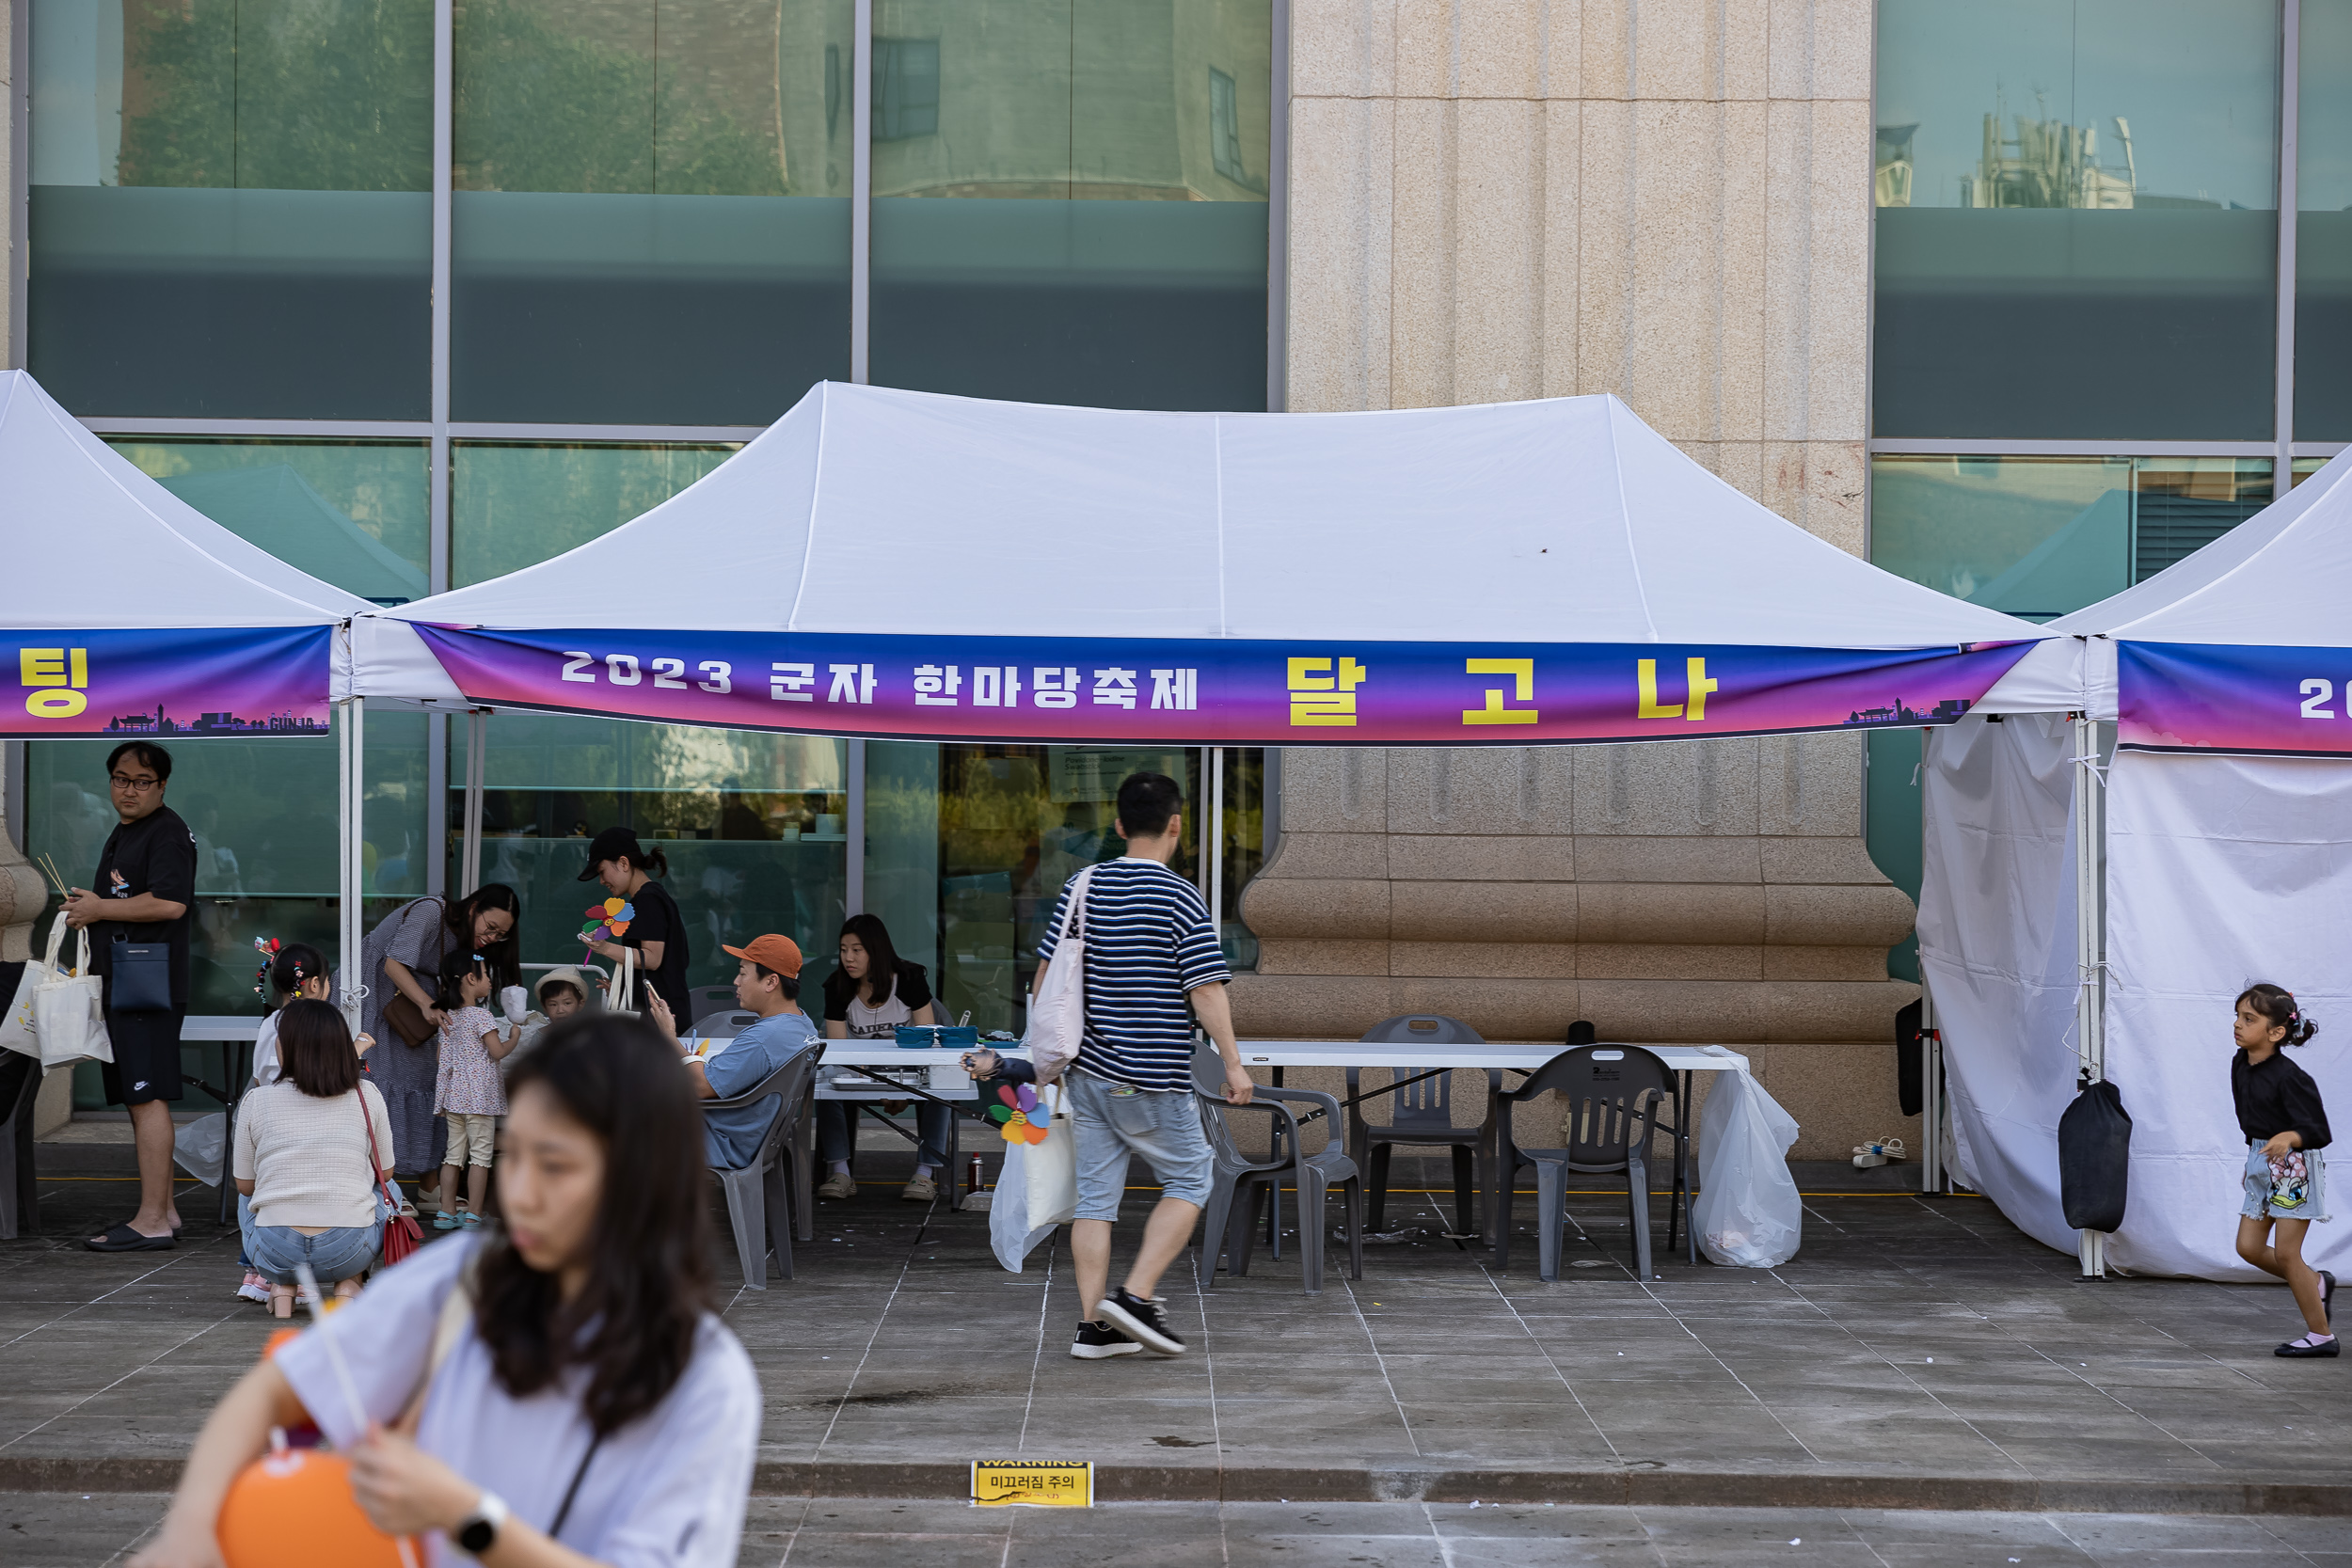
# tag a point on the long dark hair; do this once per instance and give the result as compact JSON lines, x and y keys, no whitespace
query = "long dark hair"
{"x":505,"y":956}
{"x":649,"y":1277}
{"x":314,"y":1049}
{"x":881,"y":958}
{"x":456,"y":964}
{"x":296,"y":962}
{"x":2277,"y":1004}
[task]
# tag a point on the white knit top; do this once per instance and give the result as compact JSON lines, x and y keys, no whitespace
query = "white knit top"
{"x":307,"y":1157}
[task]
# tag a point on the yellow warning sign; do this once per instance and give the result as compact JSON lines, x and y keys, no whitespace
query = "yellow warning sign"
{"x":1033,"y":1483}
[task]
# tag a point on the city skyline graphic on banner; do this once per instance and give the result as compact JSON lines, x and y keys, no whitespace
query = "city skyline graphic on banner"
{"x":246,"y":682}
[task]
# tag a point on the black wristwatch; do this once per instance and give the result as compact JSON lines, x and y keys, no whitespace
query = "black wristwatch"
{"x":479,"y":1532}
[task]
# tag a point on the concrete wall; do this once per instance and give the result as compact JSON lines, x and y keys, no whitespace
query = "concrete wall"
{"x":1669,"y":201}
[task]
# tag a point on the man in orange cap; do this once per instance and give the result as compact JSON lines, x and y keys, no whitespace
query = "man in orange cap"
{"x":766,"y":982}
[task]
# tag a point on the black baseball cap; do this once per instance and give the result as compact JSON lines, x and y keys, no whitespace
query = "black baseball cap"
{"x":611,"y":844}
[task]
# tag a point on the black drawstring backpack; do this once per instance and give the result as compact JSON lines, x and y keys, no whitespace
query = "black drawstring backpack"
{"x":2095,"y":1158}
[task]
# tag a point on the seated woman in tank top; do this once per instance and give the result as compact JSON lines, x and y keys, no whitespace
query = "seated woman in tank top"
{"x":867,"y":997}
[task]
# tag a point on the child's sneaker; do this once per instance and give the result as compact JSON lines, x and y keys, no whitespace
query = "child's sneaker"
{"x":255,"y":1289}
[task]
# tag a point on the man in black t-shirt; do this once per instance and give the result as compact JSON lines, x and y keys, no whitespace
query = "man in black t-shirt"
{"x":146,"y":884}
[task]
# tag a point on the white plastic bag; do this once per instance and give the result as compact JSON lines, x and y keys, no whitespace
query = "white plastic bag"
{"x":1037,"y":1189}
{"x":1058,"y":1013}
{"x":200,"y":1147}
{"x":1747,"y":1214}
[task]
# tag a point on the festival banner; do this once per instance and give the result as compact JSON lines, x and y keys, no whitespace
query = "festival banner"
{"x":1209,"y":693}
{"x":243,"y":681}
{"x":2189,"y":696}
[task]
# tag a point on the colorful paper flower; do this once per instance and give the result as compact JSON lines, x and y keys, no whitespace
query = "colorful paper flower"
{"x":1018,"y":1128}
{"x":608,"y":920}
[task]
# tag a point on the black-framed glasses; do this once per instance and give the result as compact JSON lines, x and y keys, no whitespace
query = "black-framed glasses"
{"x":124,"y":781}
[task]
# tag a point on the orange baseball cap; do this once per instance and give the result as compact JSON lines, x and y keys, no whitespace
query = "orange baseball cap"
{"x":779,"y":955}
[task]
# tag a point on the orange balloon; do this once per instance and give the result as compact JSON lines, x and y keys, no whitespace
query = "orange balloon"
{"x":293,"y":1508}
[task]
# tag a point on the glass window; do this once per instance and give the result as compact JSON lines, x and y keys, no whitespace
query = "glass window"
{"x":2323,"y":225}
{"x":512,"y":505}
{"x":753,"y":826}
{"x":651,"y":218}
{"x":2036,"y":537}
{"x":2076,"y":230}
{"x":356,"y":513}
{"x":1068,"y":207}
{"x":230,"y":207}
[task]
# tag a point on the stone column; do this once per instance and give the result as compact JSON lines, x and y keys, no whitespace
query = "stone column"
{"x":1514,"y":199}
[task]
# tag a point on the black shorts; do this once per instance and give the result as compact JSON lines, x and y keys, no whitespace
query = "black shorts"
{"x":147,"y":1056}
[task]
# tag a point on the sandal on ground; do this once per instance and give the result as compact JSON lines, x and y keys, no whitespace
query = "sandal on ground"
{"x":122,"y":1238}
{"x":348,"y":1290}
{"x":469,"y":1220}
{"x":255,"y":1288}
{"x":447,"y":1219}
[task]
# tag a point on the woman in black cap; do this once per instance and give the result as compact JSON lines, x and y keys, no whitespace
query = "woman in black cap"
{"x":627,"y":869}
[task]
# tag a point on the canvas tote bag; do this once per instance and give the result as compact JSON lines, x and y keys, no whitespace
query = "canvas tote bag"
{"x":68,"y":1011}
{"x":1057,"y":1014}
{"x":621,"y":989}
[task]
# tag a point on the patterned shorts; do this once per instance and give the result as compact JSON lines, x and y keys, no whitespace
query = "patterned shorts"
{"x":2294,"y":1187}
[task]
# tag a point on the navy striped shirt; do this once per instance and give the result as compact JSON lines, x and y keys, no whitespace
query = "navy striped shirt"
{"x":1149,"y":943}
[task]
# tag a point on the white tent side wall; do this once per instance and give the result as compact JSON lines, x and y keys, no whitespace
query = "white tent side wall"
{"x":2221,"y":870}
{"x":1997,"y":949}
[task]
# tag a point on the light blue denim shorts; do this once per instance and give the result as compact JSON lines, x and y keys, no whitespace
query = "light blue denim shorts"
{"x":2293,"y":1199}
{"x":1113,"y":1122}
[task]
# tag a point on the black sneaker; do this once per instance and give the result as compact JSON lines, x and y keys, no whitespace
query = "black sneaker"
{"x":1144,"y":1322}
{"x":1096,"y":1342}
{"x":2298,"y":1347}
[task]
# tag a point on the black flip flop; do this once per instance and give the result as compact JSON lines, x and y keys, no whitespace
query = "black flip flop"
{"x":123,"y":1238}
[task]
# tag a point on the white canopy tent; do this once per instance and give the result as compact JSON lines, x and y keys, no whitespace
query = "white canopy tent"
{"x":894,"y":563}
{"x":124,"y":606}
{"x":2092,"y":910}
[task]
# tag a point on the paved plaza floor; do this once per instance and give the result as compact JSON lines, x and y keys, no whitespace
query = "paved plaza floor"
{"x":1920,"y":1377}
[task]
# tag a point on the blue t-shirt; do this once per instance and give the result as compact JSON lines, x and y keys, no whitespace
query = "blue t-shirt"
{"x":732,"y":1137}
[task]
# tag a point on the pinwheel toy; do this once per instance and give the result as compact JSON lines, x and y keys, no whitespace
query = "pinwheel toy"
{"x":608,"y":920}
{"x":1018,"y":1115}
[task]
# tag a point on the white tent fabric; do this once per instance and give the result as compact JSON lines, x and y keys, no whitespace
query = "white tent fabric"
{"x":2219,"y":869}
{"x":1562,"y":520}
{"x":94,"y":544}
{"x":1996,"y":942}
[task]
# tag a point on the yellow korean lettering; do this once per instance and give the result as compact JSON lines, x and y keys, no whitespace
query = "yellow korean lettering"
{"x":1310,"y":674}
{"x":81,"y":668}
{"x":1522,"y":671}
{"x":55,"y":703}
{"x":41,"y":667}
{"x":1651,"y":707}
{"x":47,"y":668}
{"x":1700,"y":686}
{"x":1325,"y":696}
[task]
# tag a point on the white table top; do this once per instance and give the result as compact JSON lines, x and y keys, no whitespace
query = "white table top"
{"x":1681,"y":1058}
{"x":219,"y":1026}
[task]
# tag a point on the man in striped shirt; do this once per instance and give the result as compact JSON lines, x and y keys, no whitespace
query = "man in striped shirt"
{"x":1154,"y":966}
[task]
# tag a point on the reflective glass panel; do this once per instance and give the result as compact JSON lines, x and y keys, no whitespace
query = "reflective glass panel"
{"x":1071,"y":199}
{"x":651,"y":218}
{"x":753,"y":826}
{"x":512,"y":505}
{"x":356,"y":513}
{"x":231,"y":209}
{"x":2075,"y":218}
{"x":2323,"y":225}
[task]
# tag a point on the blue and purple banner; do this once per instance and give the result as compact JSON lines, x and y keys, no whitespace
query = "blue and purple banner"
{"x":2188,"y":696}
{"x":1214,"y":692}
{"x":246,"y":681}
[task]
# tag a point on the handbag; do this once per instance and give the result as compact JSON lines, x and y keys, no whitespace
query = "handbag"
{"x":69,"y":1013}
{"x":141,"y":973}
{"x":621,"y":989}
{"x":406,"y":1020}
{"x":403,"y":1235}
{"x":1058,"y":1013}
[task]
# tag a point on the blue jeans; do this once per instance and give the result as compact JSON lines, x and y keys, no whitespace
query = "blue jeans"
{"x":931,"y":1121}
{"x":333,"y":1255}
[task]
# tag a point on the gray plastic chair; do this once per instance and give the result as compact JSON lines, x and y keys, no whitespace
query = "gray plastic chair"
{"x":1422,"y":1114}
{"x":722,"y":1024}
{"x":1611,"y":1095}
{"x":705,"y":1000}
{"x":1238,"y":1182}
{"x":760,"y":1195}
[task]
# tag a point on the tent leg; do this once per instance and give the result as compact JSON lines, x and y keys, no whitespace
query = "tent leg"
{"x":1213,"y":847}
{"x":2090,"y":937}
{"x":1930,"y":1093}
{"x":351,"y":758}
{"x":469,"y":858}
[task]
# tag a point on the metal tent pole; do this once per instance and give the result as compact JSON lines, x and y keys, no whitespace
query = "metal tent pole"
{"x":2091,"y":989}
{"x":470,"y":859}
{"x":1215,"y":846}
{"x":351,"y":770}
{"x":1930,"y":1092}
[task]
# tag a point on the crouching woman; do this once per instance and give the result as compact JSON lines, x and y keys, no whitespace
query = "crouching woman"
{"x":579,"y":1403}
